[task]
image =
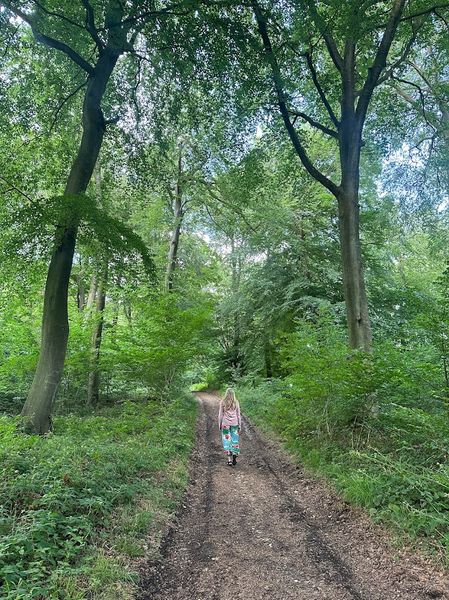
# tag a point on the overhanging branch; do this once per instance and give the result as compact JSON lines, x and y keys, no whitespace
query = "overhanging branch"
{"x":380,"y":60}
{"x":331,"y":45}
{"x":320,"y":90}
{"x":167,"y":11}
{"x":314,"y":123}
{"x":404,"y":54}
{"x":219,"y":199}
{"x":411,"y":101}
{"x":90,"y":23}
{"x":58,"y":45}
{"x":52,"y":13}
{"x":294,"y":137}
{"x":49,"y":41}
{"x":440,"y":16}
{"x":64,"y":102}
{"x":425,"y":11}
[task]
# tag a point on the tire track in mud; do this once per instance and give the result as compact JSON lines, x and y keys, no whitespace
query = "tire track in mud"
{"x":159,"y":576}
{"x":316,"y":546}
{"x":265,"y":530}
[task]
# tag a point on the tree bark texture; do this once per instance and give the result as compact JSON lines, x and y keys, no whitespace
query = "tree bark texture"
{"x":81,"y":293}
{"x":357,"y":315}
{"x":174,"y":245}
{"x":92,"y":293}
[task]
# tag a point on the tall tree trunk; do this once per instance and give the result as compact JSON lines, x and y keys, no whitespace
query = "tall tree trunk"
{"x":349,"y":133}
{"x":236,"y":358}
{"x":357,"y":315}
{"x":267,"y":359}
{"x":93,"y":388}
{"x":55,"y":327}
{"x":359,"y":328}
{"x":92,"y":293}
{"x":176,"y":232}
{"x":81,"y":292}
{"x":93,"y":385}
{"x":174,"y":244}
{"x":128,"y":312}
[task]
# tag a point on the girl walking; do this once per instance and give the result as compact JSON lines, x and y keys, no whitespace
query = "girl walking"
{"x":229,"y":423}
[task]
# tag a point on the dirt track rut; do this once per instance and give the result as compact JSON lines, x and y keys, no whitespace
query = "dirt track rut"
{"x":266,"y":530}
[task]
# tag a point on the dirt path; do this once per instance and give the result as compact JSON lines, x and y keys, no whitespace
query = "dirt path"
{"x":265,"y":530}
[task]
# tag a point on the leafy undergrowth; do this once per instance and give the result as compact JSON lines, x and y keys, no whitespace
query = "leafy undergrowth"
{"x":395,"y":465}
{"x":78,"y":506}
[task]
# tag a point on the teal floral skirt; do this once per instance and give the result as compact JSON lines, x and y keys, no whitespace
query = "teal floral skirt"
{"x":230,"y":439}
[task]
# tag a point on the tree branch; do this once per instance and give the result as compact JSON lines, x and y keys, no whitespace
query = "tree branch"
{"x":14,"y":188}
{"x":217,"y":197}
{"x":49,"y":41}
{"x":411,"y":100}
{"x":90,"y":24}
{"x":64,"y":101}
{"x":320,"y":90}
{"x":297,"y":144}
{"x":169,"y":10}
{"x":407,"y":49}
{"x":57,"y":15}
{"x":403,"y":94}
{"x":433,"y":88}
{"x":58,"y":45}
{"x":425,"y":11}
{"x":138,"y":79}
{"x":422,"y":75}
{"x":379,"y":61}
{"x":331,"y":45}
{"x":215,"y":222}
{"x":442,"y":18}
{"x":316,"y":124}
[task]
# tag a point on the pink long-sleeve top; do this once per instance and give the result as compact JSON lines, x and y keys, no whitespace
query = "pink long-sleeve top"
{"x":226,"y":418}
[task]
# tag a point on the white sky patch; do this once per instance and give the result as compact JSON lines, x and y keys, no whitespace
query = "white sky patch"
{"x":406,"y":155}
{"x":259,"y":132}
{"x":443,"y":205}
{"x":204,"y":236}
{"x":258,"y":258}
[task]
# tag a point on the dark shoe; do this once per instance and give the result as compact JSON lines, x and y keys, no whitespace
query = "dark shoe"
{"x":229,"y":463}
{"x":234,"y":460}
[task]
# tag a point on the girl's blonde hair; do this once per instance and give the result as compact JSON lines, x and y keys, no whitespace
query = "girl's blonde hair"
{"x":229,"y":400}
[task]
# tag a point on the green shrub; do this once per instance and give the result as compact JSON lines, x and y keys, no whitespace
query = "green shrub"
{"x":373,"y":424}
{"x":60,"y":494}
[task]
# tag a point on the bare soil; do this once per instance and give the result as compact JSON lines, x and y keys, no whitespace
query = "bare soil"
{"x":265,"y":529}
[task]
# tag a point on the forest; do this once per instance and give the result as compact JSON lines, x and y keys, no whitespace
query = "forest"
{"x":197,"y":194}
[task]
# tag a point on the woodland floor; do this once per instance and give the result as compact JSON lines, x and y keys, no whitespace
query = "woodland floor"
{"x":265,"y":529}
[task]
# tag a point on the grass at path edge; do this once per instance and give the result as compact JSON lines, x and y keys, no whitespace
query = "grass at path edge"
{"x":396,"y":468}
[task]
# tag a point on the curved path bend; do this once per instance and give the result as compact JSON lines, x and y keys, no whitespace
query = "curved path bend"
{"x":267,"y":530}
